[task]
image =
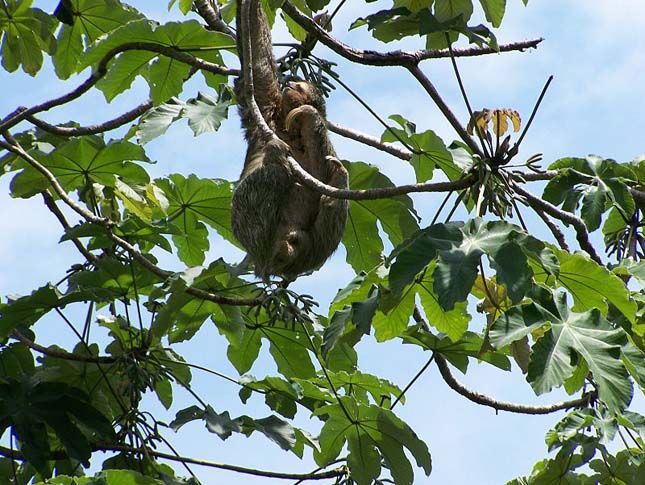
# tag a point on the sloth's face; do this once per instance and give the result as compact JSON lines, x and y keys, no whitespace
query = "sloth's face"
{"x":299,"y":93}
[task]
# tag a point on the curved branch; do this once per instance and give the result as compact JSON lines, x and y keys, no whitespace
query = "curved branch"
{"x":378,"y":193}
{"x":568,"y":218}
{"x":101,"y":446}
{"x":22,"y":113}
{"x":484,"y":400}
{"x":393,"y":58}
{"x":92,"y":129}
{"x":62,"y":354}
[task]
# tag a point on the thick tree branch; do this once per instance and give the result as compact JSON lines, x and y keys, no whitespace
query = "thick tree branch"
{"x":484,"y":400}
{"x":22,"y":113}
{"x":101,"y":446}
{"x":394,"y":58}
{"x":92,"y":129}
{"x":567,"y":217}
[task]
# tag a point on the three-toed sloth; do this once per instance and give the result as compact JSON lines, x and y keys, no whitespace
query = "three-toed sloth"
{"x":287,"y":228}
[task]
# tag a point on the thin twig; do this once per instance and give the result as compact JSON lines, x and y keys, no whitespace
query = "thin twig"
{"x":102,"y":446}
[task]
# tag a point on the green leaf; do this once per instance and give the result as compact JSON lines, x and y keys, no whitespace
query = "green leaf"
{"x":27,"y":310}
{"x":494,"y":10}
{"x":371,"y":433}
{"x":26,"y":33}
{"x":157,"y":121}
{"x":578,"y":335}
{"x":290,"y":351}
{"x":205,"y":113}
{"x":395,"y":215}
{"x":469,"y":345}
{"x":592,"y":285}
{"x":274,"y":428}
{"x":81,"y":162}
{"x":454,"y":276}
{"x":91,"y":19}
{"x":192,"y":201}
{"x":165,"y":75}
{"x":454,"y":323}
{"x":429,"y":151}
{"x":415,"y":253}
{"x":243,"y":354}
{"x":221,"y":424}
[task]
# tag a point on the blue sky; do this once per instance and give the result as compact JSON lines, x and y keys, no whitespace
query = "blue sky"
{"x":595,"y":105}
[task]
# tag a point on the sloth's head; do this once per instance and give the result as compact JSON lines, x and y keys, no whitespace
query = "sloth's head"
{"x":299,"y":93}
{"x":290,"y":252}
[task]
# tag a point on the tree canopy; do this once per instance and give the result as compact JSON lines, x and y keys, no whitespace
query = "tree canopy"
{"x":543,"y":274}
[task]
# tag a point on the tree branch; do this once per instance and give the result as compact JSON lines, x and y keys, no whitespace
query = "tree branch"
{"x":484,"y":400}
{"x":378,"y":193}
{"x":61,"y":354}
{"x":393,"y":58}
{"x":369,"y":140}
{"x":22,"y":113}
{"x":445,"y":109}
{"x":92,"y":129}
{"x":578,"y":224}
{"x":51,"y":205}
{"x":101,"y":446}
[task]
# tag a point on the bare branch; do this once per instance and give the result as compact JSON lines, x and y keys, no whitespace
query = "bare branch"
{"x":484,"y":400}
{"x":555,"y":230}
{"x":102,"y":446}
{"x":369,"y":140}
{"x":92,"y":129}
{"x":378,"y":193}
{"x":567,"y":217}
{"x":445,"y":109}
{"x":22,"y":113}
{"x":394,"y":58}
{"x":62,"y":354}
{"x":208,"y":10}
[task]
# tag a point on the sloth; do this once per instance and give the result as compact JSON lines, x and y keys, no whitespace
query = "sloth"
{"x":286,"y":228}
